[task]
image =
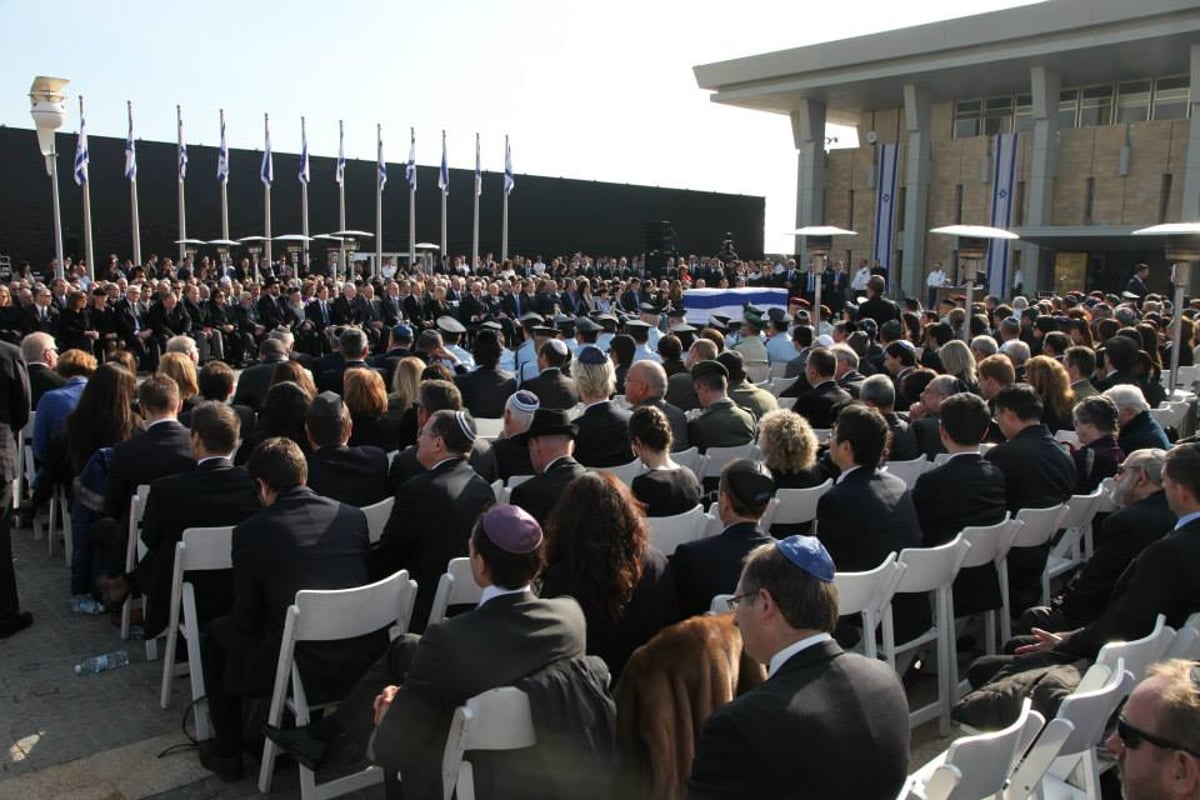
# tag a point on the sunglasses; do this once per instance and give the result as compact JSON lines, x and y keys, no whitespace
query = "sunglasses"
{"x":1132,"y":737}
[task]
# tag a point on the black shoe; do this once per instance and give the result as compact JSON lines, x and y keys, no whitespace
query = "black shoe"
{"x":20,"y":622}
{"x":299,"y":743}
{"x":227,"y":768}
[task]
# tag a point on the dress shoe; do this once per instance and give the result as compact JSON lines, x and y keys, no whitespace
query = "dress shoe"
{"x":227,"y":768}
{"x":20,"y":622}
{"x":115,"y":590}
{"x":299,"y":743}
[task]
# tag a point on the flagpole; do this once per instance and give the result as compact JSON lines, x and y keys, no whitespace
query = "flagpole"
{"x":224,"y":188}
{"x":87,"y":206}
{"x":378,"y":266}
{"x":445,"y":177}
{"x":341,"y":206}
{"x":133,"y":199}
{"x":475,"y":224}
{"x":412,"y":200}
{"x":267,"y":199}
{"x":504,"y":206}
{"x":182,"y":201}
{"x":304,"y":201}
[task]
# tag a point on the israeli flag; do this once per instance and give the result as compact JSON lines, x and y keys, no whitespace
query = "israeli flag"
{"x":509,"y":183}
{"x":478,"y":172}
{"x":444,"y":173}
{"x":130,"y":154}
{"x":410,"y":169}
{"x":341,"y":162}
{"x":1004,"y":181}
{"x":183,"y":158}
{"x":382,"y":167}
{"x":303,"y":156}
{"x":223,"y":157}
{"x":81,"y":155}
{"x":885,"y":204}
{"x":267,"y":173}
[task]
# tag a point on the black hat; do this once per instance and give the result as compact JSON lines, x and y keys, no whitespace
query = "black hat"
{"x":565,"y":324}
{"x":326,"y":405}
{"x":732,"y":361}
{"x":448,"y":324}
{"x":531,"y":318}
{"x":551,"y":422}
{"x":490,"y":325}
{"x":709,"y":368}
{"x":586,"y":325}
{"x":649,"y":308}
{"x":636,"y":324}
{"x":777,"y":314}
{"x":749,"y":482}
{"x":682,"y":327}
{"x":591,"y":355}
{"x":542,"y":330}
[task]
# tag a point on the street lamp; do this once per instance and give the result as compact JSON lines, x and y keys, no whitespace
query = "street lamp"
{"x":972,"y":245}
{"x":48,"y":106}
{"x":1181,"y":243}
{"x":818,"y":240}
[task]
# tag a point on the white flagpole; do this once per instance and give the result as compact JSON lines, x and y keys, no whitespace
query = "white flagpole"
{"x":341,"y":200}
{"x":87,"y":205}
{"x":378,"y":266}
{"x":224,"y":186}
{"x":504,"y":207}
{"x":266,"y":199}
{"x":179,"y":175}
{"x":304,"y":200}
{"x":133,"y":200}
{"x":412,"y":198}
{"x":475,"y":224}
{"x":444,"y":177}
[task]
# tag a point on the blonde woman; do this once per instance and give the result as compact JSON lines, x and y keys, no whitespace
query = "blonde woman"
{"x":789,"y":449}
{"x":957,"y":360}
{"x":402,"y":402}
{"x":1052,"y":383}
{"x":179,"y":368}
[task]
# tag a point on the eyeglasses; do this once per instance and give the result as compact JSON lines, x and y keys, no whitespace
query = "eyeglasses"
{"x":1132,"y":737}
{"x":732,"y":602}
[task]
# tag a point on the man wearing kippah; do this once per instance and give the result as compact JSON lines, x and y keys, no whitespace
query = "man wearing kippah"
{"x":826,"y":723}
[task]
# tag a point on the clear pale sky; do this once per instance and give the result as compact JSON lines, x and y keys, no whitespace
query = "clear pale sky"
{"x":600,"y":91}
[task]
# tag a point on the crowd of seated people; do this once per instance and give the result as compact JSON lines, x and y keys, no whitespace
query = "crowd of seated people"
{"x":378,"y":394}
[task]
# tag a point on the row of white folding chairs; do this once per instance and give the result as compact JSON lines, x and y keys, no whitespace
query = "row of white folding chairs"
{"x":58,"y":522}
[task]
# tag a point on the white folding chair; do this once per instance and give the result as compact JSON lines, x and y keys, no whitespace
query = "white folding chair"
{"x":720,"y":604}
{"x":940,"y":459}
{"x":1186,"y":376}
{"x":794,"y":506}
{"x":667,"y":533}
{"x":135,"y":551}
{"x":60,"y":523}
{"x":499,"y":492}
{"x":516,"y":480}
{"x":201,"y":549}
{"x":908,"y":471}
{"x":1139,"y":654}
{"x":489,"y":427}
{"x":1162,"y":416}
{"x":326,"y":616}
{"x":718,"y":457}
{"x":691,"y":458}
{"x":625,"y":473}
{"x":778,"y":370}
{"x":757,"y":371}
{"x":1067,"y":437}
{"x":1064,"y":756}
{"x":1039,"y":528}
{"x":26,"y":470}
{"x":989,"y":545}
{"x":1106,"y":504}
{"x":377,"y":517}
{"x":929,"y":570}
{"x":1067,"y":554}
{"x":456,"y":587}
{"x":498,"y":719}
{"x":1186,"y":644}
{"x":976,"y":766}
{"x":868,"y":593}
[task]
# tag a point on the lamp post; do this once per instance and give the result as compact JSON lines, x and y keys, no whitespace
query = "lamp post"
{"x":818,"y":240}
{"x":351,"y":238}
{"x":971,"y":245}
{"x":1181,"y":243}
{"x":48,"y":106}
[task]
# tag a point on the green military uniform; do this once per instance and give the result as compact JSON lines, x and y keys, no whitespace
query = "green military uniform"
{"x":723,"y":424}
{"x":755,"y":399}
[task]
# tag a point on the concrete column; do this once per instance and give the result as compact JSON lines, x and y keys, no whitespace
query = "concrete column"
{"x":808,"y":133}
{"x":918,"y":167}
{"x":1191,"y":175}
{"x":1045,"y":86}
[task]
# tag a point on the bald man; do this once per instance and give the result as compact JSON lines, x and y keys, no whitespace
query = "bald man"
{"x":646,"y":385}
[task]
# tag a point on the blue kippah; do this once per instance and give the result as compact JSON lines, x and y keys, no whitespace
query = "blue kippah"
{"x":592,"y":355}
{"x":807,"y":553}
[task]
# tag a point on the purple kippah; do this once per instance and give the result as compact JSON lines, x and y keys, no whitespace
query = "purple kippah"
{"x":512,"y":529}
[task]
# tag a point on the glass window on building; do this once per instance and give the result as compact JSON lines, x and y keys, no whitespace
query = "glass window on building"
{"x":1172,"y":97}
{"x":966,"y":118}
{"x":1096,"y":106}
{"x":998,"y":115}
{"x":1068,"y":107}
{"x":1023,"y":119}
{"x":1133,"y":101}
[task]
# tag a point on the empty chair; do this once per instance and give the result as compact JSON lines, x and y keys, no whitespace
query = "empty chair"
{"x":794,"y":506}
{"x":134,"y":552}
{"x":625,"y":473}
{"x":1067,"y":553}
{"x":976,"y":766}
{"x":718,"y":457}
{"x":1139,"y":654}
{"x":989,"y":545}
{"x":377,"y":517}
{"x":929,"y":570}
{"x":868,"y":593}
{"x":720,"y":604}
{"x":498,"y":719}
{"x":908,"y":471}
{"x":667,"y":533}
{"x":488,"y":427}
{"x":326,"y":616}
{"x":456,"y":587}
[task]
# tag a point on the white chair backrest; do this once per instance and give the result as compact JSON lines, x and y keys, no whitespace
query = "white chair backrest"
{"x":979,"y":766}
{"x":206,"y":549}
{"x":778,"y":370}
{"x":858,"y":591}
{"x":456,"y":587}
{"x":516,"y":480}
{"x":989,"y":543}
{"x":1088,"y":711}
{"x":692,"y":459}
{"x":718,"y":457}
{"x":720,"y":604}
{"x":331,"y":614}
{"x":377,"y":517}
{"x":1162,"y":416}
{"x":794,"y":506}
{"x":498,"y":491}
{"x":1139,"y":654}
{"x":1067,"y":437}
{"x":929,"y":568}
{"x":1185,"y":645}
{"x":489,"y":427}
{"x":941,"y":458}
{"x":756,"y":371}
{"x":667,"y":533}
{"x":625,"y":473}
{"x":908,"y":471}
{"x":1080,"y":509}
{"x":498,"y":719}
{"x":1106,"y":503}
{"x":1040,"y":525}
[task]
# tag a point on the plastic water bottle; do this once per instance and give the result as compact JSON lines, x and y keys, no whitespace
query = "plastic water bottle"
{"x":84,"y":604}
{"x":102,"y":663}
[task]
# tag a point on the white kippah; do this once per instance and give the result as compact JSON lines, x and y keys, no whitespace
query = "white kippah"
{"x":464,"y":425}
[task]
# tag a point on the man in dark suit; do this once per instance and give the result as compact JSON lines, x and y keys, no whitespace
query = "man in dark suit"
{"x":434,"y":396}
{"x":435,"y":510}
{"x":1138,"y":430}
{"x":603,"y":438}
{"x":41,"y":357}
{"x":133,"y":329}
{"x":14,"y":413}
{"x":879,"y":393}
{"x":254,"y":382}
{"x":485,"y":388}
{"x":923,"y":414}
{"x":966,"y":490}
{"x":711,"y":566}
{"x":878,"y":307}
{"x":510,"y":451}
{"x":354,"y":352}
{"x":298,"y":541}
{"x":1137,"y":284}
{"x":216,"y":494}
{"x":552,"y":387}
{"x":820,"y":404}
{"x":646,"y":385}
{"x":356,"y":476}
{"x":1038,"y":473}
{"x":843,"y":709}
{"x":168,"y":318}
{"x":847,"y":375}
{"x":216,"y":382}
{"x":551,"y":442}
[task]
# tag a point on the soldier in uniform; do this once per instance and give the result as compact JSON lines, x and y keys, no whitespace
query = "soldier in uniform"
{"x":722,"y":423}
